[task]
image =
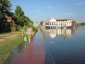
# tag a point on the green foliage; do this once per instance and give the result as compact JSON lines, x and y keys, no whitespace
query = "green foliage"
{"x":34,"y":29}
{"x":5,"y":7}
{"x":41,"y":23}
{"x":31,"y":24}
{"x":19,"y":17}
{"x":19,"y":14}
{"x":27,"y":20}
{"x":83,"y":23}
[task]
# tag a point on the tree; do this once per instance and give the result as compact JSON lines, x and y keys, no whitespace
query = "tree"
{"x":22,"y":20}
{"x":5,"y":7}
{"x":19,"y":14}
{"x":41,"y":23}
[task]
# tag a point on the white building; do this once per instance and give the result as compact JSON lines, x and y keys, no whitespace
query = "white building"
{"x":57,"y":23}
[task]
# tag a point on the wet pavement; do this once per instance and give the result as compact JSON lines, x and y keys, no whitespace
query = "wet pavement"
{"x":32,"y":53}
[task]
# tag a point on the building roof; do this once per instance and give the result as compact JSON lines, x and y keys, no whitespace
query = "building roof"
{"x":54,"y":20}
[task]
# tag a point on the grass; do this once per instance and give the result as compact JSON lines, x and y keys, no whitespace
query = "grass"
{"x":8,"y":45}
{"x":8,"y":42}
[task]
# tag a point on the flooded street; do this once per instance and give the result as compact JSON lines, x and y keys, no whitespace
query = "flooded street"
{"x":33,"y":53}
{"x":54,"y":47}
{"x":42,"y":31}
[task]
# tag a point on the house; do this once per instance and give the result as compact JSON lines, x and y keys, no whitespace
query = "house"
{"x":53,"y":23}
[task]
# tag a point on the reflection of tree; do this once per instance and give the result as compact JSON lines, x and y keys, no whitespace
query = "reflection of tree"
{"x":64,"y":35}
{"x":74,"y":29}
{"x":20,"y":46}
{"x":42,"y":29}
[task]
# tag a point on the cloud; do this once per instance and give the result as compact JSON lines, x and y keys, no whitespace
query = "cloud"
{"x":51,"y":7}
{"x":79,"y":3}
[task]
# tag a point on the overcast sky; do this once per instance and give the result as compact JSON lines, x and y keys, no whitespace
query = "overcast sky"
{"x":39,"y":10}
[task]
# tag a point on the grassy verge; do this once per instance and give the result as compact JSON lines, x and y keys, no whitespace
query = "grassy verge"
{"x":7,"y":46}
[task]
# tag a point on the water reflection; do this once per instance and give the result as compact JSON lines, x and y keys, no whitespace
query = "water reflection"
{"x":53,"y":33}
{"x":21,"y":46}
{"x":65,"y":51}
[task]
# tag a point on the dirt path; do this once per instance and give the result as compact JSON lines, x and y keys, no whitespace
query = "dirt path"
{"x":4,"y":37}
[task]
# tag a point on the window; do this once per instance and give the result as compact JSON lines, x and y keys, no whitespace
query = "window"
{"x":46,"y":23}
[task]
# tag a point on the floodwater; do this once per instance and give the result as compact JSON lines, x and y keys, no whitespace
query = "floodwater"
{"x":53,"y":46}
{"x":65,"y":46}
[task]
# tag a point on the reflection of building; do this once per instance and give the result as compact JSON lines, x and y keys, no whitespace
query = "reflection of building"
{"x":59,"y":32}
{"x":57,"y":23}
{"x":52,"y":33}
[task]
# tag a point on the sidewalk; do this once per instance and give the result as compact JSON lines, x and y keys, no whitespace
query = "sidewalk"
{"x":33,"y":53}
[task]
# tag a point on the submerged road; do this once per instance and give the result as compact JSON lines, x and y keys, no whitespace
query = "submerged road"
{"x":44,"y":49}
{"x":33,"y":53}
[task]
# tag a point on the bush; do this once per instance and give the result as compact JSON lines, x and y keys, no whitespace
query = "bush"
{"x":34,"y":29}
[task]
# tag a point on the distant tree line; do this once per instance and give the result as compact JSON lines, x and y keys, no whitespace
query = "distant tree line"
{"x":81,"y":24}
{"x":18,"y":18}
